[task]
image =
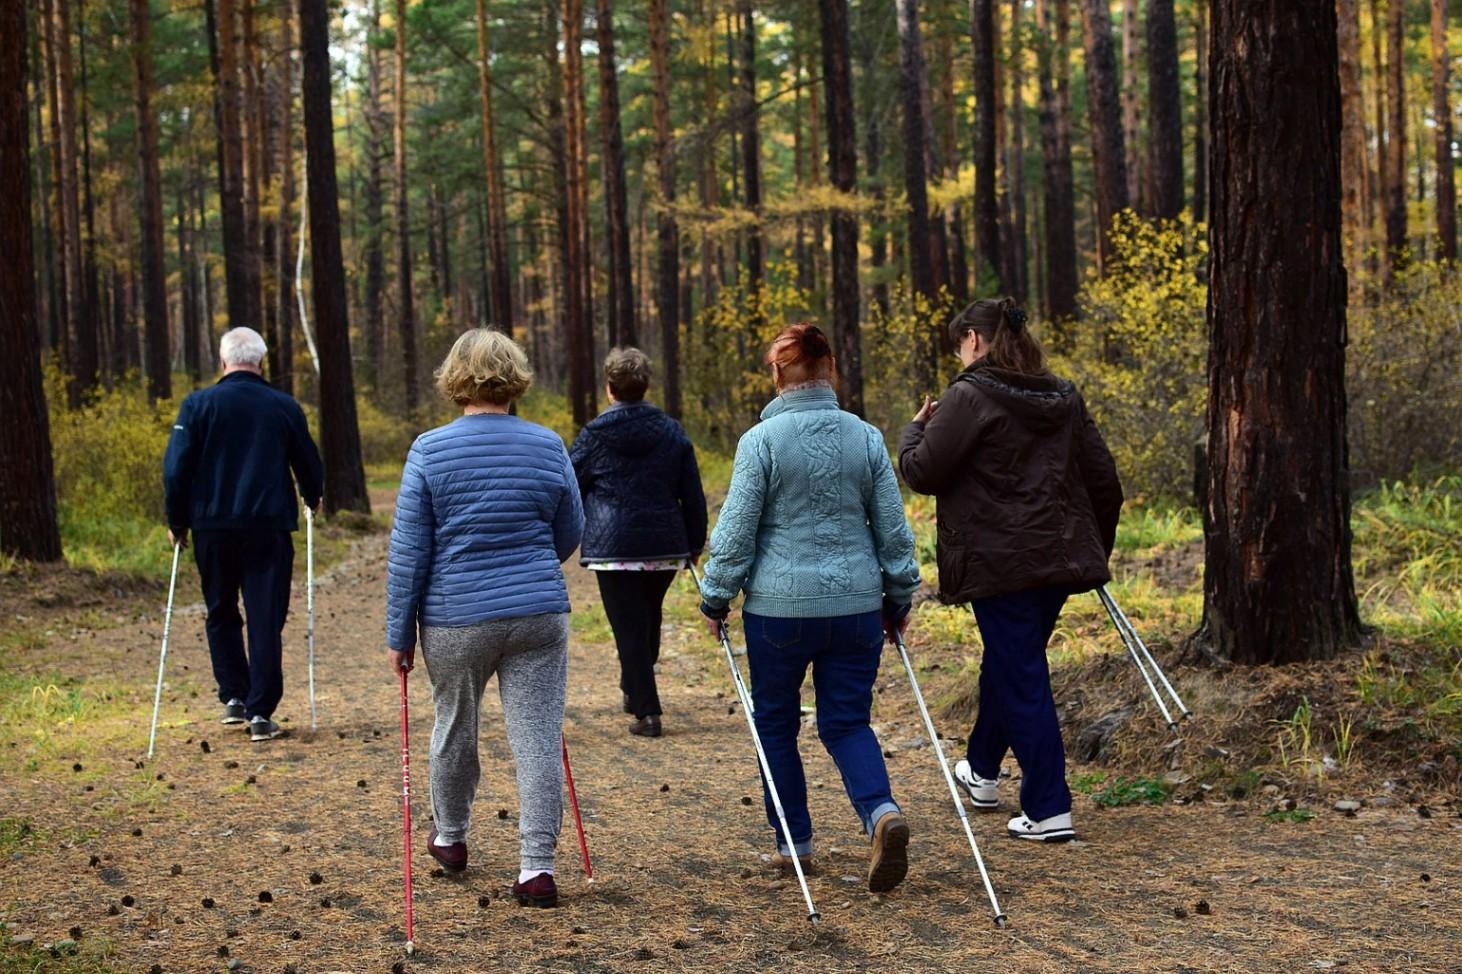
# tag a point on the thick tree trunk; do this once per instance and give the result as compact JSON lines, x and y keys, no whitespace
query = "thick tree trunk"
{"x":1442,"y":113}
{"x":1132,"y":100}
{"x":1107,"y":146}
{"x":375,"y":262}
{"x":154,"y":269}
{"x":621,"y":317}
{"x":345,"y":487}
{"x":1396,"y":145}
{"x":667,"y":292}
{"x":1354,"y":169}
{"x":405,"y":305}
{"x":1277,"y":578}
{"x":242,"y":309}
{"x":988,"y":258}
{"x":1200,"y":111}
{"x":1019,"y":285}
{"x":1165,"y":113}
{"x":750,"y":148}
{"x":28,"y":524}
{"x":1059,"y":186}
{"x":842,"y":170}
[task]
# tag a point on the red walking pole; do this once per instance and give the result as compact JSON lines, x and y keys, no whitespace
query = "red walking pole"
{"x":406,"y":811}
{"x":574,"y":804}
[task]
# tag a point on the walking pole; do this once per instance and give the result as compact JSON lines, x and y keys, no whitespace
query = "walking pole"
{"x":162,"y":657}
{"x":761,"y":755}
{"x":574,"y":804}
{"x":1110,"y":606}
{"x":406,"y":811}
{"x":310,"y":603}
{"x":1124,"y":622}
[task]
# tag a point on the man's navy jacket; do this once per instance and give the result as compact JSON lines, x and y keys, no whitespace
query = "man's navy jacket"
{"x":230,"y":455}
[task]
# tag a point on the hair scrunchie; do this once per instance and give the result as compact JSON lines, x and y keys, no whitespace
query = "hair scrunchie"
{"x":1015,"y":319}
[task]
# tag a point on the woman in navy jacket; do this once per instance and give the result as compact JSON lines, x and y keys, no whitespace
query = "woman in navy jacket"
{"x":644,"y":515}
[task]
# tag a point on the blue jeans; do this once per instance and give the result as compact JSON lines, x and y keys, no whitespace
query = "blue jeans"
{"x":844,"y":653}
{"x":1017,"y":710}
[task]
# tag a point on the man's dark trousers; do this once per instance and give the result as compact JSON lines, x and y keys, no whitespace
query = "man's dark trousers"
{"x":258,"y":562}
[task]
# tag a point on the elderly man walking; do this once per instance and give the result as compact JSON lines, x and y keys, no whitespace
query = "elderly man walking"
{"x":226,"y":477}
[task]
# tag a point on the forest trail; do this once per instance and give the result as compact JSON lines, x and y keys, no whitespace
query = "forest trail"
{"x":680,"y":855}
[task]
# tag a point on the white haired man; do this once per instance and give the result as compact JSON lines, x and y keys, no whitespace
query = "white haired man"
{"x":226,"y":476}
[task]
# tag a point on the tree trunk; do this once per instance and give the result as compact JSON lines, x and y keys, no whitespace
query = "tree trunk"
{"x":406,"y":309}
{"x":1353,"y":166}
{"x":580,"y":333}
{"x":667,"y":292}
{"x":61,"y":314}
{"x":284,"y":231}
{"x":1059,"y":186}
{"x":1165,"y":113}
{"x":502,"y":287}
{"x":958,"y":267}
{"x":242,"y":311}
{"x":842,"y":170}
{"x":988,"y":262}
{"x":751,"y":152}
{"x":1107,"y":146}
{"x":28,"y":525}
{"x":345,"y":486}
{"x":1019,"y":285}
{"x":1277,"y":580}
{"x":375,"y":262}
{"x":1442,"y":113}
{"x":188,"y":291}
{"x":1382,"y":183}
{"x":154,"y":269}
{"x":255,"y":140}
{"x":81,"y":332}
{"x":621,"y":317}
{"x":1132,"y":100}
{"x":1396,"y":146}
{"x":916,"y":179}
{"x":1200,"y":111}
{"x":91,"y":287}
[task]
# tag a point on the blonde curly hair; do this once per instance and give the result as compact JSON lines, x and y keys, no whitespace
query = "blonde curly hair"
{"x":484,"y":365}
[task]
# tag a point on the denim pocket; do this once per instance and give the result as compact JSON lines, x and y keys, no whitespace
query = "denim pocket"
{"x":780,"y":633}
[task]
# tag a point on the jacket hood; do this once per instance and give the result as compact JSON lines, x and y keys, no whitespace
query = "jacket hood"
{"x":1040,"y":400}
{"x":632,"y":429}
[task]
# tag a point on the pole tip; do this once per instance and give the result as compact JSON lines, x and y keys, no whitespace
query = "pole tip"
{"x":1187,"y":715}
{"x":1173,"y":726}
{"x":410,"y":948}
{"x":814,"y":918}
{"x":1001,"y":921}
{"x":590,"y":880}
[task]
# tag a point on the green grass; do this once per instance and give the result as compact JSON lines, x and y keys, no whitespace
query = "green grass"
{"x":90,"y":956}
{"x":1144,"y":528}
{"x":1279,"y":815}
{"x":1132,"y":791}
{"x":58,"y":722}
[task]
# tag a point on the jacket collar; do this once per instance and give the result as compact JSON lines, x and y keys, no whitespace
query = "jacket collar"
{"x":243,"y":376}
{"x":802,"y":400}
{"x":1045,"y":386}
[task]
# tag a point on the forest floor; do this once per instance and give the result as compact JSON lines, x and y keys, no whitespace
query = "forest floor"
{"x":286,"y":856}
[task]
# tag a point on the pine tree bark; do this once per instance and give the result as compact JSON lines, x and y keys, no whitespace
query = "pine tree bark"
{"x":1019,"y":285}
{"x":1132,"y":100}
{"x":501,"y":275}
{"x":1058,"y":182}
{"x":1442,"y":113}
{"x":81,"y":333}
{"x":28,"y":522}
{"x":580,"y":333}
{"x":242,"y":309}
{"x":1277,"y":579}
{"x":916,"y":179}
{"x":958,"y":269}
{"x":345,"y":486}
{"x":988,"y":258}
{"x":621,"y":312}
{"x":842,"y":169}
{"x":375,"y":262}
{"x":61,"y":320}
{"x":1354,"y":169}
{"x":1200,"y":111}
{"x":667,"y":292}
{"x":1165,"y":112}
{"x":750,"y":149}
{"x":188,"y":292}
{"x":1396,"y":144}
{"x":284,"y":228}
{"x":1107,"y":145}
{"x":1382,"y":182}
{"x":406,"y":306}
{"x":255,"y":139}
{"x":156,"y":331}
{"x":91,"y":286}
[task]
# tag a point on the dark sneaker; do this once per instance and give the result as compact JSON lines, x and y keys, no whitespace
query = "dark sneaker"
{"x":233,"y":712}
{"x":889,"y":860}
{"x":538,"y":891}
{"x":627,"y":708}
{"x":1057,"y":828}
{"x":264,"y":729}
{"x":646,"y":726}
{"x":452,"y":857}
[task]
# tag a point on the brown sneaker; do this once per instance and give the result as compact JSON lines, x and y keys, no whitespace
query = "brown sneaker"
{"x":646,"y":726}
{"x":452,"y":857}
{"x":784,"y":864}
{"x":889,"y":860}
{"x":538,"y":891}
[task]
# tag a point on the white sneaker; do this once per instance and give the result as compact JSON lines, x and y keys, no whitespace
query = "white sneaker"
{"x":1057,"y":828}
{"x":984,"y":792}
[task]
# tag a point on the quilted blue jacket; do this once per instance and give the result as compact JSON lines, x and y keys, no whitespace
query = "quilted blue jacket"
{"x":488,"y":511}
{"x":813,"y":524}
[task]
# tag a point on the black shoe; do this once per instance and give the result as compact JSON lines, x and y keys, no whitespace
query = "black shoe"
{"x":627,"y":708}
{"x":264,"y":729}
{"x":646,"y":726}
{"x":233,"y":712}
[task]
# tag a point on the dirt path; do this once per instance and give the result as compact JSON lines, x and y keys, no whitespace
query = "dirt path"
{"x":311,"y":824}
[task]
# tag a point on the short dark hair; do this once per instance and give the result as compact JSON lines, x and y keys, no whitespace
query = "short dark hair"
{"x":627,"y":370}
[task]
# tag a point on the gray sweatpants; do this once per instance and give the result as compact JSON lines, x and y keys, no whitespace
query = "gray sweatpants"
{"x":529,"y":654}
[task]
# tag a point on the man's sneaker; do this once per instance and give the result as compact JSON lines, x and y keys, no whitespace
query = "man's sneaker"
{"x":453,"y":857}
{"x":264,"y":729}
{"x":538,"y":891}
{"x":784,"y":864}
{"x":1057,"y":828}
{"x":646,"y":726}
{"x":889,"y":860}
{"x":233,"y":712}
{"x":984,"y":792}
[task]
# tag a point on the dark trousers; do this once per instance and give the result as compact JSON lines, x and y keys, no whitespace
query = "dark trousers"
{"x":632,"y":601}
{"x":844,"y":653}
{"x":1017,"y":710}
{"x":259,"y":564}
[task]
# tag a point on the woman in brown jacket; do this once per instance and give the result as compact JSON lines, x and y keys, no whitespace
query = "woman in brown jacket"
{"x":1027,"y":501}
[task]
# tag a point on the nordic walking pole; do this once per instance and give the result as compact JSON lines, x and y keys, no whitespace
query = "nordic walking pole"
{"x":574,"y":804}
{"x":406,"y":811}
{"x":310,"y":603}
{"x":162,"y":657}
{"x":959,"y":807}
{"x":761,"y":755}
{"x":1109,"y":605}
{"x":1122,"y":620}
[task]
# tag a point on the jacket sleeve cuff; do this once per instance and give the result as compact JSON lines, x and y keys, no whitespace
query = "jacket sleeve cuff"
{"x":713,"y":611}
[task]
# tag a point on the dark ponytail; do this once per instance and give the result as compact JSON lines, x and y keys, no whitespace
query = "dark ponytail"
{"x":1004,"y":326}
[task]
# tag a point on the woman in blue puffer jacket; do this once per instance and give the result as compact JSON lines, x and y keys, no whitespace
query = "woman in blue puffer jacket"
{"x":645,"y":515}
{"x":488,"y":511}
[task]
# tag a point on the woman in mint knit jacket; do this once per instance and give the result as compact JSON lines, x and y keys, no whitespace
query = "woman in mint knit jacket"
{"x":813,"y":531}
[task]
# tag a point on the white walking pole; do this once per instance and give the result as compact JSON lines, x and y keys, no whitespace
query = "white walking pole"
{"x":310,"y":603}
{"x":1112,"y":611}
{"x":1124,"y":623}
{"x":898,"y":641}
{"x":761,"y":755}
{"x":162,"y":657}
